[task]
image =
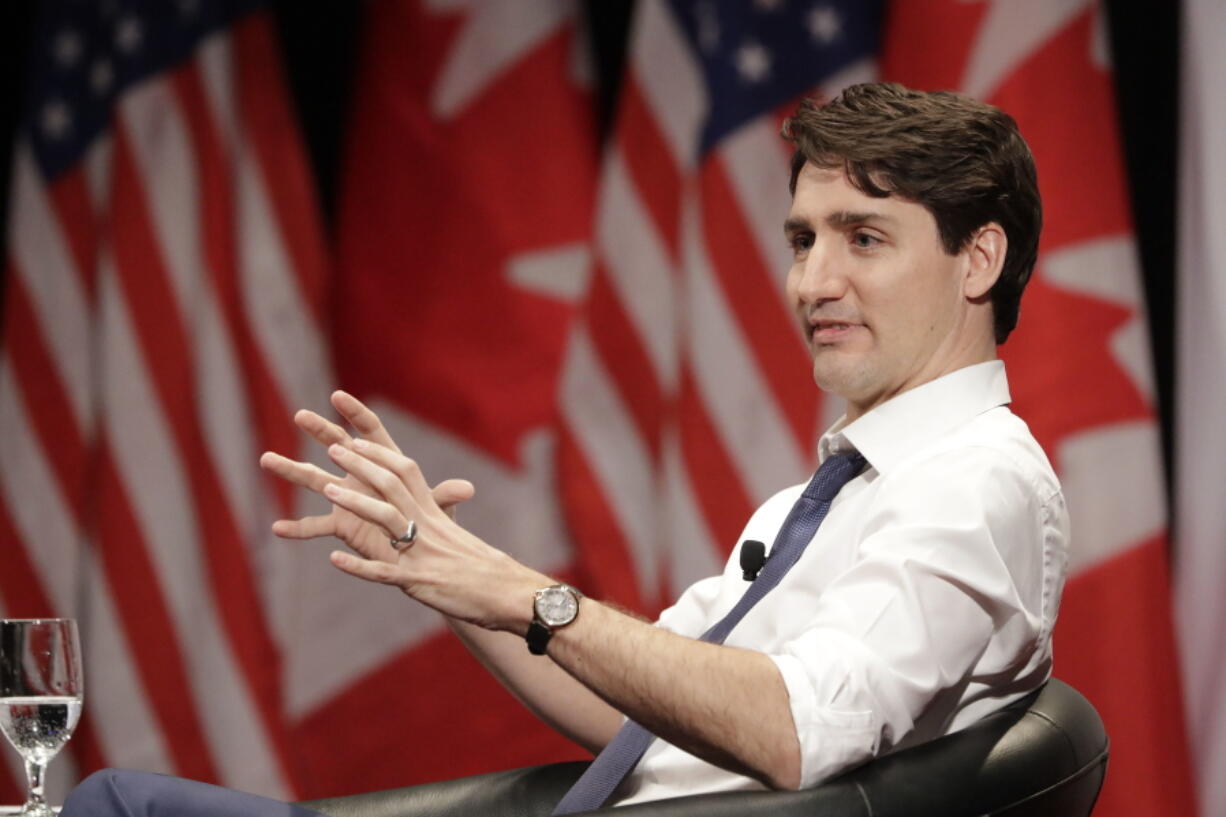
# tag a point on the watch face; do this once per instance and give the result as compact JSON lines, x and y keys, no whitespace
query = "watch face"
{"x":556,"y":606}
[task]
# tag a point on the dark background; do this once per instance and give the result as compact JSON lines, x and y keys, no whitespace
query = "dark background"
{"x":321,"y":42}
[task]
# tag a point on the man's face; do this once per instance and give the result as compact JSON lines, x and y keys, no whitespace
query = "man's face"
{"x":881,"y":304}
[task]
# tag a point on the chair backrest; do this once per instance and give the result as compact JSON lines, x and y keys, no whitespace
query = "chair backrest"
{"x":1047,"y":758}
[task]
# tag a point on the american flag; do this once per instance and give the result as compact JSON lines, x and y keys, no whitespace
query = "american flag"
{"x":162,"y":318}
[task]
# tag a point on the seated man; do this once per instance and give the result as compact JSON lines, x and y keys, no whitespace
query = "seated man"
{"x":909,"y":589}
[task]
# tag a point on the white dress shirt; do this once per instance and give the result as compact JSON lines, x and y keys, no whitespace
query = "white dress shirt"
{"x":925,"y":600}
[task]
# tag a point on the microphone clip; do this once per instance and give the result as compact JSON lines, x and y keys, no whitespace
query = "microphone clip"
{"x":753,"y":556}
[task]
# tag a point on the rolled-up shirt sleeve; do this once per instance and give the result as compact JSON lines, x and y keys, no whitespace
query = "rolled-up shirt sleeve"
{"x":946,"y":585}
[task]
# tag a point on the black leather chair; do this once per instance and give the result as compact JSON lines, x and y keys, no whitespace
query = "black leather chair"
{"x":1045,"y":756}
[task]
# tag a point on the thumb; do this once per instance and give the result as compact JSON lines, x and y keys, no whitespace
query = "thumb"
{"x":451,"y":492}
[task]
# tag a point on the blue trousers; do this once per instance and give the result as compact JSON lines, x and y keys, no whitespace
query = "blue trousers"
{"x":121,"y":793}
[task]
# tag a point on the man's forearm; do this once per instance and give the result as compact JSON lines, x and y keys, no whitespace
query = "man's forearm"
{"x":726,"y":705}
{"x":554,"y":696}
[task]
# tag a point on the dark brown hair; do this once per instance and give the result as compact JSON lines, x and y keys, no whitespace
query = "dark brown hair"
{"x":963,"y":160}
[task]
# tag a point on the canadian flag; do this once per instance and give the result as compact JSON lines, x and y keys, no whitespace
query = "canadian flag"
{"x":1079,"y":364}
{"x":463,"y":245}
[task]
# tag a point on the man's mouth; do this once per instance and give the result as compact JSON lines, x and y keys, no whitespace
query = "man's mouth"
{"x":831,"y":331}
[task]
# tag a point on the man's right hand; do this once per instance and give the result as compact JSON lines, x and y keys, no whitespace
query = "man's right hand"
{"x":354,"y":531}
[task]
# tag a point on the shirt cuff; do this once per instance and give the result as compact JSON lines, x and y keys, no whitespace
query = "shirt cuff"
{"x":831,"y":739}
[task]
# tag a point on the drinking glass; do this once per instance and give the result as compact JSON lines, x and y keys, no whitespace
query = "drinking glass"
{"x":40,"y":695}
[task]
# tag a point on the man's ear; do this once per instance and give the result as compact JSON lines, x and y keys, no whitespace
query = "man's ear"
{"x":985,"y":258}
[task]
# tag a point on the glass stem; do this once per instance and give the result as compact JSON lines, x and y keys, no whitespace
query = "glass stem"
{"x":35,"y":772}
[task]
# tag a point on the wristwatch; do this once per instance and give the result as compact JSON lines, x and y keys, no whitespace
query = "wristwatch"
{"x":553,"y":607}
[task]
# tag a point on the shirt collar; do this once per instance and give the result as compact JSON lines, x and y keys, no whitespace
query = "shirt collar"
{"x":900,"y":425}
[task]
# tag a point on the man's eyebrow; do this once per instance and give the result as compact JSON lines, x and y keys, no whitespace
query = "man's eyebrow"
{"x":850,"y":218}
{"x":838,"y":220}
{"x":795,"y":224}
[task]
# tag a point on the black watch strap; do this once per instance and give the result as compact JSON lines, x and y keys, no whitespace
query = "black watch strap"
{"x":538,"y":638}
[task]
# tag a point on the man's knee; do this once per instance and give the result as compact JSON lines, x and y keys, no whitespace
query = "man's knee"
{"x":110,"y":793}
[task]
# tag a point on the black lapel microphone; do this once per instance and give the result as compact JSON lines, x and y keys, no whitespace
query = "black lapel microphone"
{"x":753,"y":556}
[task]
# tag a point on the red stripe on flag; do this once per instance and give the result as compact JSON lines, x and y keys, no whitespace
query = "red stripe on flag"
{"x":70,"y":199}
{"x":274,"y":431}
{"x":167,"y":353}
{"x":151,"y":638}
{"x":603,"y":556}
{"x":717,"y":484}
{"x":11,"y":791}
{"x":620,"y":349}
{"x":46,"y":402}
{"x":1116,"y":618}
{"x":752,"y":293}
{"x":269,"y":126}
{"x":650,"y":164}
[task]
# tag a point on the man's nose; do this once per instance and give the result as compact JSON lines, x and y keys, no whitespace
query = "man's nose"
{"x":822,"y":277}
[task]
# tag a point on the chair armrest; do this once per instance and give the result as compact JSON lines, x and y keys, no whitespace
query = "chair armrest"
{"x":1045,"y":755}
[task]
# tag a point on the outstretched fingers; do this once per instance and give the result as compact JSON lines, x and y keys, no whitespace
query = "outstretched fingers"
{"x":358,"y":415}
{"x":381,"y":481}
{"x":323,"y":430}
{"x":380,"y":464}
{"x":370,"y":569}
{"x":377,"y":512}
{"x":309,"y":476}
{"x":308,"y":527}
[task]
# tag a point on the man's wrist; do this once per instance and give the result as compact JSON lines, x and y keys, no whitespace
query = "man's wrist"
{"x":553,"y":607}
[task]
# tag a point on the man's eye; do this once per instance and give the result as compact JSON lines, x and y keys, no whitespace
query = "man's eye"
{"x":800,"y":242}
{"x":864,"y":241}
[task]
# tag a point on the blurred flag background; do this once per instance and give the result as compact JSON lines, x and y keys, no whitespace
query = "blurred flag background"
{"x":543,"y":241}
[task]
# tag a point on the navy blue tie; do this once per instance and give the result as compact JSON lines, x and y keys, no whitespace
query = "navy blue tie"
{"x":623,"y":753}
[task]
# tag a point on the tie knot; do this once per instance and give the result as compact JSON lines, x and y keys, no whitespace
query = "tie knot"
{"x":835,"y":472}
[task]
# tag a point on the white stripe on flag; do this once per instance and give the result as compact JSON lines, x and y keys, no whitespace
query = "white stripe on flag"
{"x":284,"y":326}
{"x":613,"y":449}
{"x":127,"y":731}
{"x":638,"y":267}
{"x":45,"y":523}
{"x":48,"y":272}
{"x":756,"y":163}
{"x":671,"y":82}
{"x":688,"y":544}
{"x":1200,"y":555}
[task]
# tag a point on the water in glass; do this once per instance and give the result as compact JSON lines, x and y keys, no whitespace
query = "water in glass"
{"x":41,"y":688}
